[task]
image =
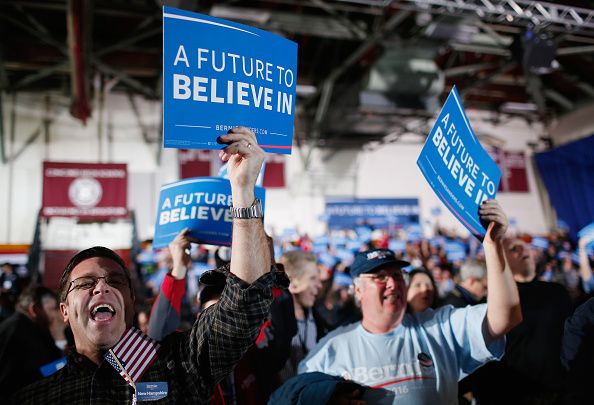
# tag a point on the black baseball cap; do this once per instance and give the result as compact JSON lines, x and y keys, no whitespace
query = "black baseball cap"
{"x":213,"y":283}
{"x":373,"y":260}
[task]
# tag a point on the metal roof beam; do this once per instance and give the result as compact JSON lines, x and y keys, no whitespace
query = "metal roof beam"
{"x":360,"y":33}
{"x":489,"y":50}
{"x":129,"y":41}
{"x":43,"y":37}
{"x":559,"y":99}
{"x":467,"y":69}
{"x":535,"y":12}
{"x":558,"y":16}
{"x":3,"y":75}
{"x":43,"y":73}
{"x":586,"y":88}
{"x":575,"y":50}
{"x":328,"y":84}
{"x":124,"y":78}
{"x":487,"y":78}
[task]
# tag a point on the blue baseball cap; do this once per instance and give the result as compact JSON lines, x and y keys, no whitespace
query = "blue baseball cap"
{"x":374,"y":260}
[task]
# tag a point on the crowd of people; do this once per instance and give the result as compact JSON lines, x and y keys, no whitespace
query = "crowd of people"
{"x":363,"y":315}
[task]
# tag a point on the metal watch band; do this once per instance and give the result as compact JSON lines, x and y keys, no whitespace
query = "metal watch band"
{"x":254,"y":211}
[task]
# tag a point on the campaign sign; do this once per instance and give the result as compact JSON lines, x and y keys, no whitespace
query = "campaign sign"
{"x":398,"y":246}
{"x":218,"y":75}
{"x":50,"y":368}
{"x":377,"y":212}
{"x":201,"y":204}
{"x":457,"y":167}
{"x":540,"y":243}
{"x":455,"y":250}
{"x":587,"y":233}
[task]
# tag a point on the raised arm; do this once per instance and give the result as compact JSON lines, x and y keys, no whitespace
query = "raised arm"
{"x":165,"y":314}
{"x":251,"y":256}
{"x":224,"y":331}
{"x":503,"y":301}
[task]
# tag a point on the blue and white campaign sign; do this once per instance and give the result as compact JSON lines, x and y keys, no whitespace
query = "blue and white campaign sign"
{"x":201,"y":204}
{"x":218,"y":74}
{"x":455,"y":250}
{"x":457,"y":167}
{"x":51,"y":368}
{"x":398,"y":246}
{"x":376,"y":212}
{"x":540,"y":243}
{"x":587,"y":233}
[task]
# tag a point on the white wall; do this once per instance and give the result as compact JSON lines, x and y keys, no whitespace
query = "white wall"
{"x":301,"y":203}
{"x":574,"y":125}
{"x":388,"y":171}
{"x":70,"y":140}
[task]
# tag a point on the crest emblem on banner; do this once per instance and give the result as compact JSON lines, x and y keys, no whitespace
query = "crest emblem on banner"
{"x":85,"y":192}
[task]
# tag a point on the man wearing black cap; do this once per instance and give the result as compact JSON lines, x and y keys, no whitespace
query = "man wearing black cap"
{"x":419,"y":358}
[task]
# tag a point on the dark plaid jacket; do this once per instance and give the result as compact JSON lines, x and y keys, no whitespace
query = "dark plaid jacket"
{"x":191,"y":363}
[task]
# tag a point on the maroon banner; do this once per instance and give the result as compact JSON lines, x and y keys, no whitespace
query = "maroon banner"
{"x":274,"y":172}
{"x":513,"y":170}
{"x":204,"y":163}
{"x":89,"y":191}
{"x":195,"y":163}
{"x":515,"y":179}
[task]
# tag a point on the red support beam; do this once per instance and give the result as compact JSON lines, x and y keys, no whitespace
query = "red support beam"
{"x":77,"y":46}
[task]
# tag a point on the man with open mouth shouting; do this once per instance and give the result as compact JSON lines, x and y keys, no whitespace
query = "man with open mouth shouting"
{"x":116,"y":363}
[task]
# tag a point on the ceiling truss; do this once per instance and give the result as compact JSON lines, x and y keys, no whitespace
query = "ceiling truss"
{"x":340,"y":41}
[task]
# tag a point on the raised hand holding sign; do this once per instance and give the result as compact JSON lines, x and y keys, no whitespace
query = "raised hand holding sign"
{"x":244,"y":159}
{"x":202,"y":204}
{"x":218,"y":74}
{"x":456,"y":166}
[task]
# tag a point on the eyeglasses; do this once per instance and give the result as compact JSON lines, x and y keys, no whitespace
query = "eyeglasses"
{"x":381,"y":277}
{"x":115,"y":280}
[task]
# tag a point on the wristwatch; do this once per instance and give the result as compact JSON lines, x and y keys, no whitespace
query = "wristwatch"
{"x":254,"y":211}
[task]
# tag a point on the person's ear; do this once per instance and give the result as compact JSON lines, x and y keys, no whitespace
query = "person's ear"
{"x":357,"y":291}
{"x":64,"y":311}
{"x":294,"y":286}
{"x":32,"y":310}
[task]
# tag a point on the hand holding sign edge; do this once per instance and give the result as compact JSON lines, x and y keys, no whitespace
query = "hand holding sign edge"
{"x":491,"y":213}
{"x":245,"y":158}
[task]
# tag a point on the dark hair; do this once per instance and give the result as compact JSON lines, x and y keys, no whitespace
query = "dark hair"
{"x":33,"y":294}
{"x":421,"y":270}
{"x":96,"y":251}
{"x":219,"y":260}
{"x":213,"y":282}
